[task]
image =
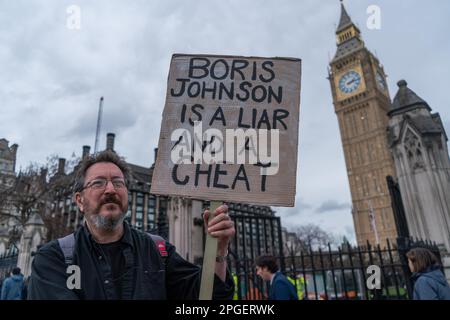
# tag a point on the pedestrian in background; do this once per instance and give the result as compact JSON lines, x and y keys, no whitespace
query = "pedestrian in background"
{"x":13,"y":286}
{"x":429,"y":280}
{"x":280,"y":287}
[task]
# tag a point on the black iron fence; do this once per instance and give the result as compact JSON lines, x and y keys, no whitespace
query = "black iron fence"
{"x":8,"y":261}
{"x":335,"y":274}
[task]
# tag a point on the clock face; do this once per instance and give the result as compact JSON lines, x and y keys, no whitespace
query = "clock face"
{"x":380,"y":81}
{"x":350,"y":81}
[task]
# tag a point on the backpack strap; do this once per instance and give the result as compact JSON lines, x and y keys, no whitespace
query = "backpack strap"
{"x":67,"y":245}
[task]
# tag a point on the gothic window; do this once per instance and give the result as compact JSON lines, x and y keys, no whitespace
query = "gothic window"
{"x":370,"y":222}
{"x":413,"y":150}
{"x":382,"y":221}
{"x":356,"y":124}
{"x":386,"y":218}
{"x":354,"y":155}
{"x":348,"y":156}
{"x":365,"y":186}
{"x":375,"y":184}
{"x":364,"y":120}
{"x":348,"y":125}
{"x":358,"y":187}
{"x":369,"y":151}
{"x":360,"y":154}
{"x":353,"y":124}
{"x":374,"y":152}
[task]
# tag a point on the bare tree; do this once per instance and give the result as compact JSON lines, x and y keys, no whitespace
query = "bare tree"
{"x":20,"y":200}
{"x":313,"y":236}
{"x":38,"y":189}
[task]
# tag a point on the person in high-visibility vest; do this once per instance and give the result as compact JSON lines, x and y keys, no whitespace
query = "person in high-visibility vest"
{"x":299,"y":283}
{"x":235,"y":280}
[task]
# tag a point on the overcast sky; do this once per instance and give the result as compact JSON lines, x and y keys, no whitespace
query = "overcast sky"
{"x":51,"y":76}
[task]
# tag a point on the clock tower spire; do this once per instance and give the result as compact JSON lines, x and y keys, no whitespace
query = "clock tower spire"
{"x":361,"y":102}
{"x":345,"y":20}
{"x":348,"y":35}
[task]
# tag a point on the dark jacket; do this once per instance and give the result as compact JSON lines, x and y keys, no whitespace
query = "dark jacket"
{"x":431,"y":285}
{"x":12,"y":288}
{"x":282,"y":288}
{"x":146,"y":276}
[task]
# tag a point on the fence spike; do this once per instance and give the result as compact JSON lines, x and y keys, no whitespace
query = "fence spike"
{"x":368,"y":245}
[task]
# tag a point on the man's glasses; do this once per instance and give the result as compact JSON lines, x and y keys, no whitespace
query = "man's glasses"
{"x":98,"y":184}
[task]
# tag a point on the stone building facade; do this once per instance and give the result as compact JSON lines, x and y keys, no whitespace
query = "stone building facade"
{"x":7,"y":163}
{"x":7,"y":177}
{"x":418,"y":143}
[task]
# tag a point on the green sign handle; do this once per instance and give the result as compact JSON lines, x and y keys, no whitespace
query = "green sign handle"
{"x":209,"y":260}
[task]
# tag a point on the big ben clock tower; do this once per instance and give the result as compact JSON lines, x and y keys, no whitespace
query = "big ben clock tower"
{"x":361,"y":102}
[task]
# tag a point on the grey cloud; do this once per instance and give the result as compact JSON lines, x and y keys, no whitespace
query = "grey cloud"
{"x":120,"y":119}
{"x":300,"y":208}
{"x":75,"y":87}
{"x":332,"y":205}
{"x":114,"y":120}
{"x":349,"y":230}
{"x":85,"y":126}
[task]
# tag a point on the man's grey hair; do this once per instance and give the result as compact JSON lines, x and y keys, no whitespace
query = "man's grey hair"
{"x":104,"y":156}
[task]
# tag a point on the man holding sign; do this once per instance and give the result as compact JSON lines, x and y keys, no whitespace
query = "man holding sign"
{"x":106,"y":259}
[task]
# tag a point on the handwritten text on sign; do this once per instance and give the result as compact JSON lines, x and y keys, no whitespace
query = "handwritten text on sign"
{"x":230,"y":130}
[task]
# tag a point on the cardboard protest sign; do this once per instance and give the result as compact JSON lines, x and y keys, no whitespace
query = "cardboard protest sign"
{"x":230,"y":129}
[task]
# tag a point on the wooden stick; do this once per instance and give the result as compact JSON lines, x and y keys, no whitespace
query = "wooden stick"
{"x":209,"y":259}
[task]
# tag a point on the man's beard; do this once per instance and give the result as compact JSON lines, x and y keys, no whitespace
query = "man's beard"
{"x":108,"y":223}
